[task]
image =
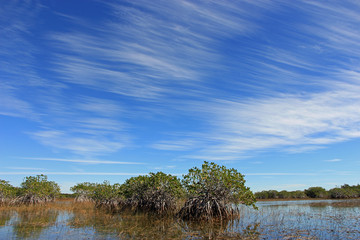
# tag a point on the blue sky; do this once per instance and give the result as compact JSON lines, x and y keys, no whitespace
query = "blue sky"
{"x":106,"y":90}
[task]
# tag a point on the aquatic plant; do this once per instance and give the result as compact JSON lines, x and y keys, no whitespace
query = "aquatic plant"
{"x":212,"y":192}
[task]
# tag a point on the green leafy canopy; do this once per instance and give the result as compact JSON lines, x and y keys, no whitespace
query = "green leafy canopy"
{"x":212,"y":180}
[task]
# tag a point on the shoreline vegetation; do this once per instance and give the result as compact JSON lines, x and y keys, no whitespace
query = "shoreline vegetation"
{"x":211,"y":192}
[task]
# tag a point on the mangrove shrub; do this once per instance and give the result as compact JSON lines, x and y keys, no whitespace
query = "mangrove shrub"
{"x":7,"y":192}
{"x":108,"y":196}
{"x":156,"y":192}
{"x":83,"y":191}
{"x":212,"y":192}
{"x":316,"y":192}
{"x":37,"y":189}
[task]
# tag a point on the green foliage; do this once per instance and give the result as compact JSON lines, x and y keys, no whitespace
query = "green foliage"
{"x":84,"y":188}
{"x":298,"y":194}
{"x":108,"y":196}
{"x":105,"y":191}
{"x":138,"y":186}
{"x":156,"y":192}
{"x":345,"y":191}
{"x":218,"y":182}
{"x":39,"y":186}
{"x":273,"y":194}
{"x":6,"y":189}
{"x":212,"y":191}
{"x":316,"y":192}
{"x":84,"y":192}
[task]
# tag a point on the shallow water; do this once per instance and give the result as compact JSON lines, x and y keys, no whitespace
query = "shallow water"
{"x":309,"y":219}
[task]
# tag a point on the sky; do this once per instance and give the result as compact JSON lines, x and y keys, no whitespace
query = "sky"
{"x":107,"y":90}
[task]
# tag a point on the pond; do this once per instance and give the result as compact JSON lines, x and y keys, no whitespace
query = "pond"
{"x":307,"y":219}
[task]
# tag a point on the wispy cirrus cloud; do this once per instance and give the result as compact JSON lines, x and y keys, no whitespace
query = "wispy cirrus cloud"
{"x":333,"y":160}
{"x":12,"y":106}
{"x":79,"y":173}
{"x":87,"y":161}
{"x":288,"y":122}
{"x":294,"y":186}
{"x":25,"y":168}
{"x":307,"y":97}
{"x":80,"y":143}
{"x":81,"y":124}
{"x":149,"y":50}
{"x":162,"y":56}
{"x":177,"y":145}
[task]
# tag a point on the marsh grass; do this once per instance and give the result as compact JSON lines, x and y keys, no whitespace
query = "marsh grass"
{"x":31,"y":222}
{"x":68,"y":220}
{"x":343,"y":203}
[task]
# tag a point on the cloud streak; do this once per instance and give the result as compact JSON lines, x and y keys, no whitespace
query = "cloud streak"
{"x":81,"y":161}
{"x":79,"y":173}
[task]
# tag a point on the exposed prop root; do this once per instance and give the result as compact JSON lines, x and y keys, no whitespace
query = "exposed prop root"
{"x":206,"y":208}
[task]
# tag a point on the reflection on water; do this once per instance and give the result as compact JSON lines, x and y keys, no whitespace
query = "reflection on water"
{"x":5,"y":216}
{"x":320,"y":219}
{"x":31,"y":222}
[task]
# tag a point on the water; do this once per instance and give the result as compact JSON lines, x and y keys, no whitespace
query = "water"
{"x":309,"y":219}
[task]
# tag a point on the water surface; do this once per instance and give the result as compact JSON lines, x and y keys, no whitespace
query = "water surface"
{"x":308,"y":219}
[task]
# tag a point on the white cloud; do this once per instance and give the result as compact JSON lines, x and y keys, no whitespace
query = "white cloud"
{"x":81,"y":160}
{"x":280,"y":174}
{"x":286,"y":122}
{"x":83,"y":144}
{"x":148,"y":48}
{"x":80,"y":173}
{"x":14,"y":106}
{"x":177,"y":145}
{"x":289,"y":187}
{"x":333,"y":160}
{"x":25,"y":168}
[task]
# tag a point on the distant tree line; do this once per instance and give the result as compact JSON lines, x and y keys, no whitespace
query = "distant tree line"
{"x":344,"y":192}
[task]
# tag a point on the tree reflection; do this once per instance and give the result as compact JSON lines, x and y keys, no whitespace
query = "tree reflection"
{"x":31,"y":222}
{"x":5,"y":216}
{"x":145,"y":226}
